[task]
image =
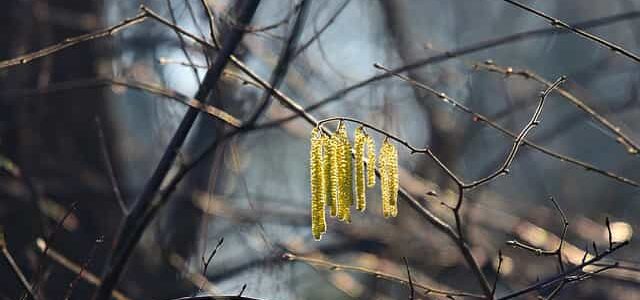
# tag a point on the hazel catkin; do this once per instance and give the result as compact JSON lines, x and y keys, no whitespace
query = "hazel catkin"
{"x":388,"y":165}
{"x":318,"y":224}
{"x":345,"y":184}
{"x":359,"y":140}
{"x":371,"y":162}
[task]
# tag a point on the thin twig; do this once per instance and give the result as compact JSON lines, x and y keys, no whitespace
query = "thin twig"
{"x":137,"y":85}
{"x":485,"y":120}
{"x":563,"y":275}
{"x":377,"y":274}
{"x":211,"y":22}
{"x":535,"y":120}
{"x":84,"y":267}
{"x":465,"y":50}
{"x":590,"y":36}
{"x":183,"y":44}
{"x":495,"y":282}
{"x":630,"y":146}
{"x":324,"y":27}
{"x":14,"y":266}
{"x":411,"y":290}
{"x":74,"y":267}
{"x":107,"y":162}
{"x":69,"y":42}
{"x":50,"y":240}
{"x":285,"y":59}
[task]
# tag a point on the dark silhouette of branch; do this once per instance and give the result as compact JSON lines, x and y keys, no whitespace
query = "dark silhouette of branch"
{"x":86,"y":275}
{"x":107,"y":162}
{"x":39,"y":275}
{"x":183,"y":45}
{"x":324,"y":27}
{"x":576,"y":29}
{"x":69,"y":42}
{"x":563,"y":275}
{"x":136,"y":222}
{"x":8,"y":258}
{"x":557,"y":252}
{"x":84,"y":267}
{"x":411,"y":290}
{"x":211,"y":21}
{"x":495,"y":282}
{"x":286,"y":57}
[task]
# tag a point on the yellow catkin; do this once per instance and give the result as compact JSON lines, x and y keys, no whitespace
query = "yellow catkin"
{"x":345,"y":180}
{"x":334,"y":162}
{"x":394,"y":183}
{"x":388,"y":166}
{"x":326,"y":168}
{"x":383,"y":158}
{"x":371,"y":162}
{"x":318,"y":224}
{"x":359,"y":139}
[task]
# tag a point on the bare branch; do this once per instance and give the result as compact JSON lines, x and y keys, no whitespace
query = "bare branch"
{"x":14,"y":266}
{"x":575,"y":29}
{"x":377,"y":274}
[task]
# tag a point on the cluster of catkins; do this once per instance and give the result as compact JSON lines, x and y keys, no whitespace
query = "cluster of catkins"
{"x":334,"y":171}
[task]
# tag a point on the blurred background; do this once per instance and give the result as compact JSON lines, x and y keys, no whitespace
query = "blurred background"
{"x":64,"y":128}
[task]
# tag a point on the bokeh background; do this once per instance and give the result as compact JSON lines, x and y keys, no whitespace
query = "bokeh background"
{"x":254,"y":191}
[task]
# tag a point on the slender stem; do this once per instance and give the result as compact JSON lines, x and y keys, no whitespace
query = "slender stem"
{"x":69,"y":42}
{"x":563,"y":275}
{"x":14,"y":267}
{"x":377,"y":274}
{"x":630,"y":145}
{"x":486,"y":121}
{"x":590,"y":36}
